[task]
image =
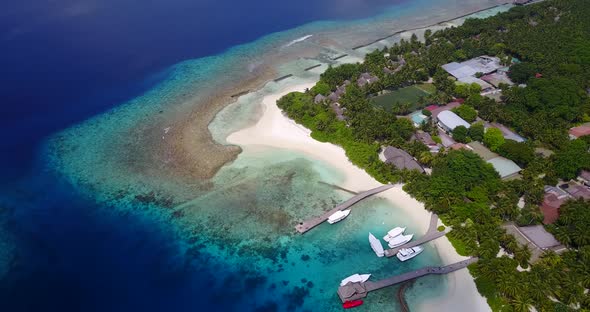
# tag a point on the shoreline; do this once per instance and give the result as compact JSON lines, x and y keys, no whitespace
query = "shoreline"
{"x":274,"y":129}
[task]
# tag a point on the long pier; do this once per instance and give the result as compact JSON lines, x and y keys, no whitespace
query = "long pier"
{"x":355,"y":291}
{"x":431,"y":234}
{"x":307,"y":225}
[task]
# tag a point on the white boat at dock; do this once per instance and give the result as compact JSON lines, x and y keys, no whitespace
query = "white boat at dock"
{"x":393,"y":233}
{"x":376,"y":245}
{"x":355,"y":278}
{"x":400,"y":240}
{"x":408,"y":253}
{"x":338,"y":216}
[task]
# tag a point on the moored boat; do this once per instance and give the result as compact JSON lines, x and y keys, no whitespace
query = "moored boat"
{"x":338,"y":216}
{"x":355,"y":278}
{"x":405,"y":254}
{"x":394,"y":233}
{"x":352,"y":304}
{"x":400,"y":240}
{"x":376,"y":245}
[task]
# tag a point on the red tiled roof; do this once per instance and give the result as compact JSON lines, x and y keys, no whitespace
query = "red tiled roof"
{"x":580,"y":131}
{"x":431,"y":107}
{"x":550,"y":208}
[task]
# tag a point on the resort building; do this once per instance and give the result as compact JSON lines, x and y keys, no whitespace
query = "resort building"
{"x":446,"y":139}
{"x":584,"y":177}
{"x":483,"y":64}
{"x":552,"y":200}
{"x":495,"y":79}
{"x":366,"y":79}
{"x":579,"y":131}
{"x":401,"y":159}
{"x":535,"y":238}
{"x":427,"y":140}
{"x":505,"y":167}
{"x":577,"y":191}
{"x":448,"y":121}
{"x":482,"y":151}
{"x":319,"y":98}
{"x":435,"y":110}
{"x":466,"y":71}
{"x":339,"y":111}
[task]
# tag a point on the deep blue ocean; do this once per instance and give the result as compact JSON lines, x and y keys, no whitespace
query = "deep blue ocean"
{"x":64,"y":61}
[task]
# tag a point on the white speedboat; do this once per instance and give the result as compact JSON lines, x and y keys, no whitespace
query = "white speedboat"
{"x":400,"y":240}
{"x":355,"y":278}
{"x":409,"y":253}
{"x":393,"y":233}
{"x":376,"y":245}
{"x":338,"y":216}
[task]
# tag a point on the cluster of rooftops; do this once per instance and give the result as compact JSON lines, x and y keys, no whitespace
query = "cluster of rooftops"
{"x":489,"y":73}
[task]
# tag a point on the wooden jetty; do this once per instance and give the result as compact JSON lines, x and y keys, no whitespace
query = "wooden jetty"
{"x":431,"y":234}
{"x":307,"y":225}
{"x":355,"y":291}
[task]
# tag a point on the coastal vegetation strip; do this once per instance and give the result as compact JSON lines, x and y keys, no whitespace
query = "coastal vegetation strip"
{"x":545,"y":48}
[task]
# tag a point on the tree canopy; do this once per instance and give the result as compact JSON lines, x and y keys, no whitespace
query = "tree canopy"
{"x":493,"y":138}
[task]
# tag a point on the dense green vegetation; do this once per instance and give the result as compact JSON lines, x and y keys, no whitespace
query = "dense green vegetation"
{"x":466,"y":112}
{"x":551,"y":38}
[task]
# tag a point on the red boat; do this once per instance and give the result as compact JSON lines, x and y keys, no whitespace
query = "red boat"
{"x":352,"y":304}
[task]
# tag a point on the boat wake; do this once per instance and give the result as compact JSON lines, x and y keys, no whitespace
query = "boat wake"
{"x":297,"y":40}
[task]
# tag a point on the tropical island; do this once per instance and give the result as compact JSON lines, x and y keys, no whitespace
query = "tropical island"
{"x":488,"y":125}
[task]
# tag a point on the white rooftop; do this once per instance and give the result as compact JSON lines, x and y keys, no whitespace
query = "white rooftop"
{"x":482,"y":64}
{"x":451,"y":120}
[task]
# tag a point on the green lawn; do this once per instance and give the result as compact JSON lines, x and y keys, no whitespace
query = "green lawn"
{"x":427,"y":87}
{"x":407,"y":97}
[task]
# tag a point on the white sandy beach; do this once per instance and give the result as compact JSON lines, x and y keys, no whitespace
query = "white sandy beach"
{"x":276,"y":130}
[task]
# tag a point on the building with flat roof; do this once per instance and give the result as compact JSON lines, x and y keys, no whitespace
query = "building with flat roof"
{"x":449,"y":121}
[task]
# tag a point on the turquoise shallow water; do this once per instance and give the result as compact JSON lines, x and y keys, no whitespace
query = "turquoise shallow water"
{"x":230,"y":240}
{"x":248,"y":224}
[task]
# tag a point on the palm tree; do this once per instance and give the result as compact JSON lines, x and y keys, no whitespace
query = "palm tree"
{"x":508,"y":285}
{"x":563,"y":237}
{"x":521,"y":303}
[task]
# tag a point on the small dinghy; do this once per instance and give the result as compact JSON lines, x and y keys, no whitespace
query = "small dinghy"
{"x":352,"y":304}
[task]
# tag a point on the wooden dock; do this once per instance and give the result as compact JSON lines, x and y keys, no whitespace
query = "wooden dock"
{"x":431,"y":234}
{"x":355,"y":291}
{"x":307,"y":225}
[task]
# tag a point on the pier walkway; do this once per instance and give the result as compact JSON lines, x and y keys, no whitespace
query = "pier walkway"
{"x":307,"y":225}
{"x":355,"y":291}
{"x":431,"y":234}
